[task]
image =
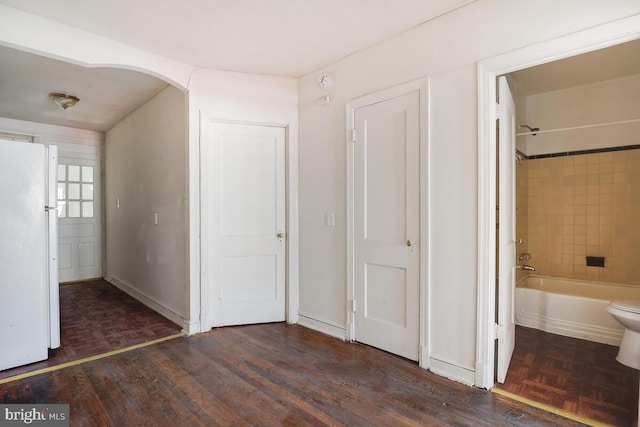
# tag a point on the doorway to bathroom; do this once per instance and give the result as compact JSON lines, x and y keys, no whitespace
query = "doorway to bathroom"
{"x":573,"y":176}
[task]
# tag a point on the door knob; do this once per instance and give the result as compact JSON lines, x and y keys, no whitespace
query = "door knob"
{"x":409,"y":243}
{"x":280,"y":235}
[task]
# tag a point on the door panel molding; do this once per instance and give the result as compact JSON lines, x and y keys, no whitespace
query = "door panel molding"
{"x":199,"y":315}
{"x":288,"y":228}
{"x":422,"y":86}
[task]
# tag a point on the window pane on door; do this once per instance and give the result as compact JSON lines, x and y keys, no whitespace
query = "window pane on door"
{"x":87,"y":209}
{"x":75,"y":191}
{"x":87,"y":174}
{"x":62,"y":172}
{"x":62,"y":191}
{"x":73,"y":173}
{"x":87,"y":192}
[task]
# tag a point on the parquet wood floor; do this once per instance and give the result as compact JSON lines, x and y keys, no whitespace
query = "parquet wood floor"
{"x":266,"y":375}
{"x":577,"y":376}
{"x":96,"y":317}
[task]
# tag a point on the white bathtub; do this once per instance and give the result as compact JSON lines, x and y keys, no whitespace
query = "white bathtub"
{"x":573,"y":308}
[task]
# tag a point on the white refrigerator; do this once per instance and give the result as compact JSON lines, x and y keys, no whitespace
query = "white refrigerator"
{"x":29,"y":298}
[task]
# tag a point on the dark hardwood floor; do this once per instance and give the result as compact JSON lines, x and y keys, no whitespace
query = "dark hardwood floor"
{"x":577,"y":376}
{"x":96,"y":317}
{"x":266,"y":375}
{"x":279,"y":374}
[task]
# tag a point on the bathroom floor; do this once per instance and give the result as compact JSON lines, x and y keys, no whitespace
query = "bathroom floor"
{"x":577,"y":376}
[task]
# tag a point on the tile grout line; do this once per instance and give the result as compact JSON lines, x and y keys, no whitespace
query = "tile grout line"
{"x":88,"y":359}
{"x":549,"y":408}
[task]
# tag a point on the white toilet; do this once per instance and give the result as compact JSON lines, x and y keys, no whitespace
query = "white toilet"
{"x":628,"y":314}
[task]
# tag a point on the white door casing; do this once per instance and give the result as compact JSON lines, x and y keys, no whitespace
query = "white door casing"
{"x":595,"y":38}
{"x":386,"y":224}
{"x":243,"y":223}
{"x":79,"y":219}
{"x":23,"y":254}
{"x":506,"y":227}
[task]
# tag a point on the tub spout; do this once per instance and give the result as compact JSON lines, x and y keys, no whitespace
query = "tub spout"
{"x":528,"y":267}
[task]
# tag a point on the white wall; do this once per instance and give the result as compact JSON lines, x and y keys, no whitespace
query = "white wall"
{"x":69,"y":140}
{"x":602,"y":102}
{"x":146,"y":169}
{"x":446,"y":49}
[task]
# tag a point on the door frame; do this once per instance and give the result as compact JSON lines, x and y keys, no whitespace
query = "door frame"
{"x":422,"y":86}
{"x":291,"y":216}
{"x":595,"y":38}
{"x":99,"y":206}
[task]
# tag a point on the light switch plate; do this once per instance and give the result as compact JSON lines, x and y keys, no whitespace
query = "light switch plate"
{"x":331,"y":219}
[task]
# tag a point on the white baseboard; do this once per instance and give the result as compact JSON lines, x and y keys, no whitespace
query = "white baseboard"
{"x":324,"y":327}
{"x":191,"y":328}
{"x":423,"y":357}
{"x":188,"y":328}
{"x":453,"y":372}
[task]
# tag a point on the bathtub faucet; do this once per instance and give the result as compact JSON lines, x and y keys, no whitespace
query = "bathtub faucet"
{"x":528,"y":267}
{"x":525,"y":256}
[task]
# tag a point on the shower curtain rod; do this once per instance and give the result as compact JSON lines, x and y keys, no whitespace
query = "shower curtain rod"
{"x":578,"y":127}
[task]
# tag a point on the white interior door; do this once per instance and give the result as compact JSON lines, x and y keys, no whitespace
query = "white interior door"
{"x":79,"y":220}
{"x":387,"y":225}
{"x":506,"y":228}
{"x":243,"y":223}
{"x":23,"y":254}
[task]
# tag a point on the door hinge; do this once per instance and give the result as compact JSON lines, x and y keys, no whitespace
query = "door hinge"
{"x":498,"y":332}
{"x":353,"y":135}
{"x":353,"y":305}
{"x":497,"y":111}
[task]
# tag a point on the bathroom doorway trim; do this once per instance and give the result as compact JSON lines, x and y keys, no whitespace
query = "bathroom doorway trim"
{"x":595,"y":38}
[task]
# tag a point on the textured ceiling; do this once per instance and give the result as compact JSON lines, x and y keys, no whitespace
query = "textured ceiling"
{"x":280,"y":37}
{"x":106,"y":94}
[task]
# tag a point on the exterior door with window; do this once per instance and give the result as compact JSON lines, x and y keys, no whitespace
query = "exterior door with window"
{"x":79,"y":224}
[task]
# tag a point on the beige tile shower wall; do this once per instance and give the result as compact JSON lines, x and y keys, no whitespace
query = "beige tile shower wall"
{"x":522,"y":208}
{"x":586,"y":205}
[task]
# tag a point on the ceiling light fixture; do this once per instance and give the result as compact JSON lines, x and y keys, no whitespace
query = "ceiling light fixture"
{"x":64,"y":99}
